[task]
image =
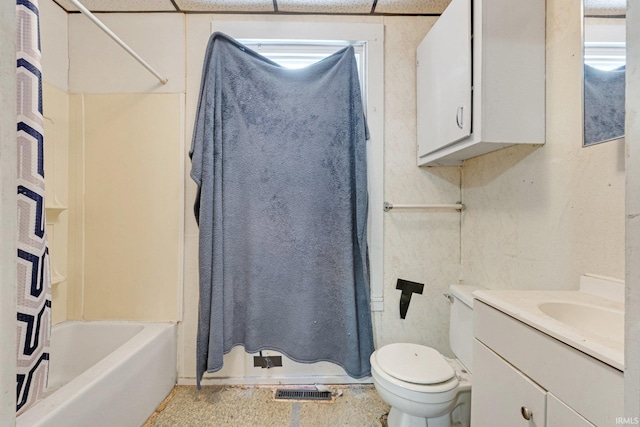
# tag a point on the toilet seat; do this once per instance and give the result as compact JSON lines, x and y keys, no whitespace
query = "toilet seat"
{"x":413,"y":363}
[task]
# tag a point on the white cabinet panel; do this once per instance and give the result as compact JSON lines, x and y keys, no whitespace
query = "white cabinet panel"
{"x":560,"y":415}
{"x":499,"y":99}
{"x":444,"y":86}
{"x":501,"y":396}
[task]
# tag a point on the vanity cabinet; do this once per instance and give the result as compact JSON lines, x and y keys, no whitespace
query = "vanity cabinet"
{"x":503,"y":396}
{"x":481,"y":80}
{"x":561,"y":415}
{"x":520,"y":372}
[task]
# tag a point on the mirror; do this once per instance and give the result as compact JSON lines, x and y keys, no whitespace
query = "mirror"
{"x":604,"y":55}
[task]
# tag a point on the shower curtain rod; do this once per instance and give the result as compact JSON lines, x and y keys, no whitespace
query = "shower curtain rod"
{"x":388,"y":206}
{"x":118,"y":40}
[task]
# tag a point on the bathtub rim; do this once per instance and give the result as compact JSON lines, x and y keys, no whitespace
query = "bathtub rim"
{"x":59,"y":399}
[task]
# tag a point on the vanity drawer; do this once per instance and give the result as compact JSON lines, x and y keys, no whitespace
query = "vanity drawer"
{"x":592,"y":388}
{"x":560,"y":415}
{"x":500,"y":394}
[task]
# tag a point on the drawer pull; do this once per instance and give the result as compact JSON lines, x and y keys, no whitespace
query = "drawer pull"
{"x":526,"y":413}
{"x":460,"y":116}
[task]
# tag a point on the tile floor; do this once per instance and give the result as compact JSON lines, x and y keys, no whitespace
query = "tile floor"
{"x":222,"y":406}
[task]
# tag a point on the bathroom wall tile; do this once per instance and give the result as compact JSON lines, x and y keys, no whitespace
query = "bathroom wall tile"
{"x":539,"y":217}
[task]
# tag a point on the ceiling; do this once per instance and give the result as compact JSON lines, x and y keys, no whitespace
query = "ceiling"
{"x":605,"y":7}
{"x":392,"y":7}
{"x":359,"y":7}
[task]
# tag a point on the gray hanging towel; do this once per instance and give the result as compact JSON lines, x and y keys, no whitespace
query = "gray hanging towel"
{"x":279,"y":157}
{"x":603,"y":104}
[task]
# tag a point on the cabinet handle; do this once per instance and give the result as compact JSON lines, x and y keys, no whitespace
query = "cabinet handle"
{"x":459,"y":116}
{"x":526,"y":413}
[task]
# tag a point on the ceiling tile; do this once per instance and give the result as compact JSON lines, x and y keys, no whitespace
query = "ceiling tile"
{"x":605,"y":7}
{"x":325,"y":6}
{"x":421,"y":7}
{"x":120,"y":5}
{"x":225,"y":5}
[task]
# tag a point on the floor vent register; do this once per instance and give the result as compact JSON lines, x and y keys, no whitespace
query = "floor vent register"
{"x":302,"y":394}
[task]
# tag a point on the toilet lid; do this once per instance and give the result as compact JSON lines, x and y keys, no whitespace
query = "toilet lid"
{"x":414,"y":363}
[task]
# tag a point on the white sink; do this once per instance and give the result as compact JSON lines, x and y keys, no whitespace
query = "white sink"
{"x":584,"y":321}
{"x":603,"y":322}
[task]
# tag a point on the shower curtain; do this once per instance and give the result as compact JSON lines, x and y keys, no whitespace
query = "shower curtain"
{"x":279,"y":157}
{"x":34,"y":285}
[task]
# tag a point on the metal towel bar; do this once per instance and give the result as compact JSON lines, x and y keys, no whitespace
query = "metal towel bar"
{"x":388,"y":206}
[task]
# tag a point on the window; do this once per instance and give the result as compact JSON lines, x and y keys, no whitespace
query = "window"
{"x":605,"y":56}
{"x":605,"y":42}
{"x":295,"y":54}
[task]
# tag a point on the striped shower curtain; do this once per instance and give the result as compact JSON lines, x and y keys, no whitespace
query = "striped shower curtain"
{"x":34,"y":284}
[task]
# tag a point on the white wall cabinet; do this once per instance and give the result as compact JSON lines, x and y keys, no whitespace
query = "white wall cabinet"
{"x":481,"y":80}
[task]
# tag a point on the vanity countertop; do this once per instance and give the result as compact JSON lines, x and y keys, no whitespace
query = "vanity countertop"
{"x":601,"y":338}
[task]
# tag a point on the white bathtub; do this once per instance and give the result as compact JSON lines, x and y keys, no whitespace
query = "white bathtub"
{"x":105,"y":374}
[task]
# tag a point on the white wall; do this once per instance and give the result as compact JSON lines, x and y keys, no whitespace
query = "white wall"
{"x":420,"y":246}
{"x":54,"y":39}
{"x":99,"y":65}
{"x":539,"y":217}
{"x":632,"y":317}
{"x":8,"y":213}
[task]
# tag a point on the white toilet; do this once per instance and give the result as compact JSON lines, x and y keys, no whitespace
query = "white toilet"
{"x":423,"y":387}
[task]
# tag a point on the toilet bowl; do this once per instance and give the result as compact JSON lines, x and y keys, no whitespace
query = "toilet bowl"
{"x":424,"y":388}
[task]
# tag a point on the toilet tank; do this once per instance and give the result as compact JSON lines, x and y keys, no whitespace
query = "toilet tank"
{"x":461,"y":323}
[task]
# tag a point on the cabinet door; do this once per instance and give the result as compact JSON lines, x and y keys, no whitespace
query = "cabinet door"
{"x":444,"y":80}
{"x":560,"y":415}
{"x":501,"y":395}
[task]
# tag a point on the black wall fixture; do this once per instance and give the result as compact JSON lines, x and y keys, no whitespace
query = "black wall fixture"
{"x":407,"y":288}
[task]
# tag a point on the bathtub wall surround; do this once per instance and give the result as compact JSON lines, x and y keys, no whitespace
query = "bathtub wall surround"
{"x":106,"y":374}
{"x":105,"y":270}
{"x":55,"y":97}
{"x":129,"y":155}
{"x":56,"y":165}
